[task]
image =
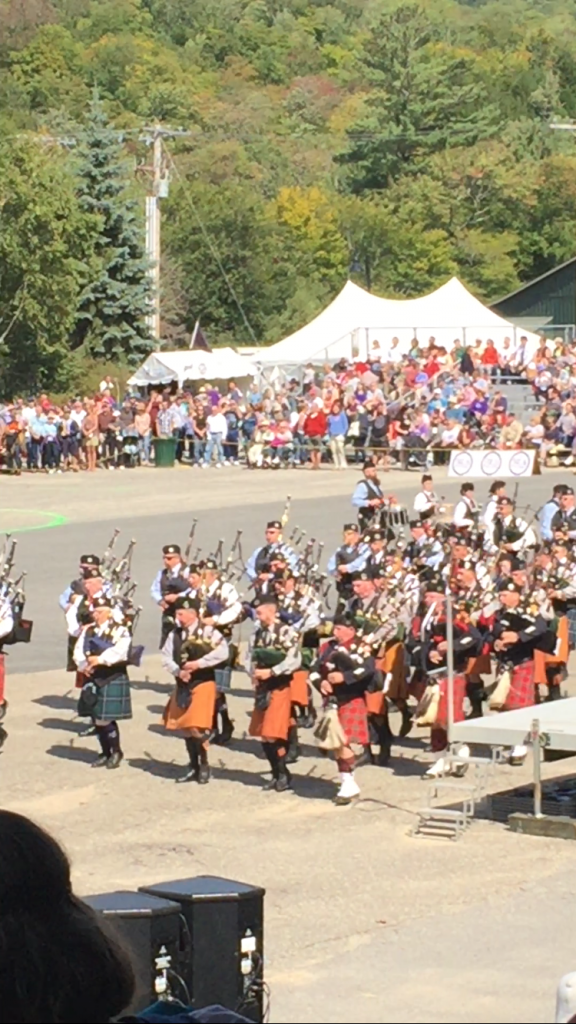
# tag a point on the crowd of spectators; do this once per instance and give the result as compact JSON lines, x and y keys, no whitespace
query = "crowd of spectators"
{"x":411,"y":410}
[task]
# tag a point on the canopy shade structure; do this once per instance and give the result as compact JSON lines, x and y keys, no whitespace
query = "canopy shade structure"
{"x":356,"y":319}
{"x":193,"y":364}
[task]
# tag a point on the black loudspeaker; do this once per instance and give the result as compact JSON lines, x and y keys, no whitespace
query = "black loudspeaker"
{"x":225,"y":921}
{"x":151,"y":929}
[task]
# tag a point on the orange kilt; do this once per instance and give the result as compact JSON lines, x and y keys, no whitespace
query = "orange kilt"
{"x":200,"y":713}
{"x":299,"y":688}
{"x":394,"y":661}
{"x":560,"y":656}
{"x":274,"y":722}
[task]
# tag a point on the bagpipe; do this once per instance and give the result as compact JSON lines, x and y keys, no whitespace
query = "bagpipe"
{"x":268,"y":657}
{"x":13,"y":592}
{"x":335,"y":658}
{"x":117,"y":572}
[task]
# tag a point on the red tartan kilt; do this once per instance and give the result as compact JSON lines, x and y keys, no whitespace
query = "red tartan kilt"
{"x":354,"y":721}
{"x":522,"y":689}
{"x":459,"y":695}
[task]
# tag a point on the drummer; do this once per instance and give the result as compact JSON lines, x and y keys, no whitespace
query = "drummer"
{"x":368,"y":497}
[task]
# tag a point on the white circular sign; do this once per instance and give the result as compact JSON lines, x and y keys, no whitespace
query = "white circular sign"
{"x":520,"y":463}
{"x":491,"y":463}
{"x":462,"y":463}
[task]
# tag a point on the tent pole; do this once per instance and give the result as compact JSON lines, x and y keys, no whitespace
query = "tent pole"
{"x":450,"y":661}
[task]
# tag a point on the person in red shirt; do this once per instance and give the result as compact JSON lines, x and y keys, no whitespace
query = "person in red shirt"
{"x":490,"y":357}
{"x":315,"y":427}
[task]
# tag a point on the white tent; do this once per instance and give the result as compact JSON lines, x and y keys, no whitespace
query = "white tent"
{"x":192,"y":364}
{"x":356,"y":319}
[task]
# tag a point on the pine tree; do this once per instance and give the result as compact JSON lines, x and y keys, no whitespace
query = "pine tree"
{"x":425,"y":99}
{"x":111,"y":319}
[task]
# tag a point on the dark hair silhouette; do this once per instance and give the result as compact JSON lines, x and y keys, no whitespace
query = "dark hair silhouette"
{"x":58,"y":965}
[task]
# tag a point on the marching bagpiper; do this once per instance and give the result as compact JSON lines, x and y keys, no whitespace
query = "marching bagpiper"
{"x":170,"y":583}
{"x":192,"y":652}
{"x":273,"y":658}
{"x":343,"y":671}
{"x":101,"y":653}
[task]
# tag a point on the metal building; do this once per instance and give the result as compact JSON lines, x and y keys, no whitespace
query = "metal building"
{"x":548,"y":303}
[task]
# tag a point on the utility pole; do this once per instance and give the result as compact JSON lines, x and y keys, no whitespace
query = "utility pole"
{"x":159,"y":188}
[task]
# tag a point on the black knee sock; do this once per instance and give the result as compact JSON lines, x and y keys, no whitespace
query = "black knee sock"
{"x":102,"y":734}
{"x":192,"y":751}
{"x":202,"y":751}
{"x":113,"y":734}
{"x":280,"y":750}
{"x":272,"y":756}
{"x":373,"y":731}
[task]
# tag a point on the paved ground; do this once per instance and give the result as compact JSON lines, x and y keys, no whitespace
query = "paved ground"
{"x":364,"y":922}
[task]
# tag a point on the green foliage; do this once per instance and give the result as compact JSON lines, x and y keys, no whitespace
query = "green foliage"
{"x":112,"y":310}
{"x":399,"y":140}
{"x":44,"y":235}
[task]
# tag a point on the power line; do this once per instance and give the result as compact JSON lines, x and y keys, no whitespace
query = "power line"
{"x":213,"y":249}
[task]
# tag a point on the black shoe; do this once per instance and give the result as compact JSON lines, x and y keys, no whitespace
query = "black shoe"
{"x":190,"y":776}
{"x":115,"y":759}
{"x":100,"y":762}
{"x":204,"y":774}
{"x":293,"y":753}
{"x":90,"y":731}
{"x":283,"y":783}
{"x":407,"y":723}
{"x":224,"y":737}
{"x":269,"y":786}
{"x":383,"y":759}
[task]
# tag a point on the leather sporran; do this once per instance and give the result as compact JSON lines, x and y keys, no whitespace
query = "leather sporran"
{"x":501,"y":692}
{"x":427,"y":711}
{"x":329,"y":732}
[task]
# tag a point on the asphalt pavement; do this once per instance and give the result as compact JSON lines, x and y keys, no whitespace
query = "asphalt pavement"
{"x":364,"y":922}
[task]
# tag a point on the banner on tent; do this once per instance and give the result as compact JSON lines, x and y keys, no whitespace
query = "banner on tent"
{"x":489,"y":464}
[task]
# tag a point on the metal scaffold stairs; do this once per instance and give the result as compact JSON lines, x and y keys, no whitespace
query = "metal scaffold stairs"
{"x":454,"y":797}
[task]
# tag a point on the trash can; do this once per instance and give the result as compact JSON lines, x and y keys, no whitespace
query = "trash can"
{"x":164,"y":451}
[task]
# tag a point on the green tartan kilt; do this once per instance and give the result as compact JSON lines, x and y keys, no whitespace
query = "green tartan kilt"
{"x":114,"y":701}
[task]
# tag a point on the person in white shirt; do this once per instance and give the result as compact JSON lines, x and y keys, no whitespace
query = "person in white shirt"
{"x":78,"y":412}
{"x":426,"y":502}
{"x":466,"y":511}
{"x":216,"y":430}
{"x":497,"y":490}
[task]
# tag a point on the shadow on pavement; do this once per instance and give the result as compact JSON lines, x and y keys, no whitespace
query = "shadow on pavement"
{"x":57,"y":702}
{"x":64,"y":724}
{"x":72,"y":753}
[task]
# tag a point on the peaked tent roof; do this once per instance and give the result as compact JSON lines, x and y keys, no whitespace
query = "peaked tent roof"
{"x":357,"y":318}
{"x":192,"y":364}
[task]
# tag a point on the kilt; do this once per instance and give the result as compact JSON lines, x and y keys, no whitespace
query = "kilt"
{"x":198,"y":715}
{"x":354,"y":720}
{"x":522,"y":688}
{"x":114,"y":701}
{"x":299,"y":688}
{"x":459,"y":695}
{"x":274,"y":722}
{"x":560,"y":656}
{"x":571,"y":616}
{"x":394,"y":661}
{"x":376,"y":703}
